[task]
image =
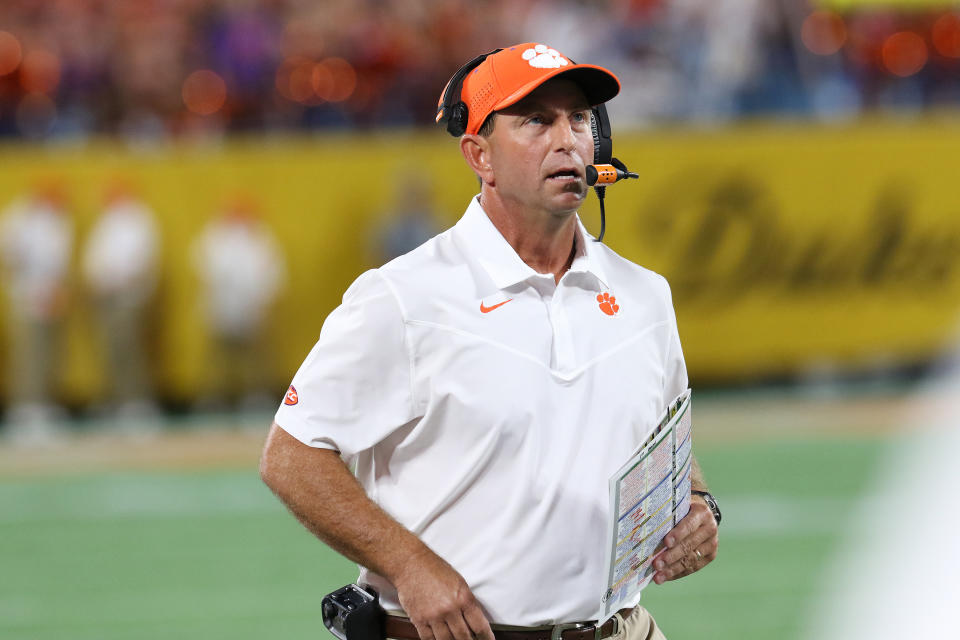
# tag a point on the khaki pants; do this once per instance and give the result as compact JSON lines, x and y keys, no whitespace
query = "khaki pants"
{"x":128,"y":366}
{"x":34,"y":359}
{"x":639,"y":625}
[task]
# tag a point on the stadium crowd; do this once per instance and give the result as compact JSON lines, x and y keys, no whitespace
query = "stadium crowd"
{"x":161,"y":68}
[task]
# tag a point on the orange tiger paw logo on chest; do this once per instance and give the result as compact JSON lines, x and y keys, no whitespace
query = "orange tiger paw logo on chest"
{"x":608,"y":304}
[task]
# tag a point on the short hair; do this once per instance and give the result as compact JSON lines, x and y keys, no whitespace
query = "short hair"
{"x":487,"y":127}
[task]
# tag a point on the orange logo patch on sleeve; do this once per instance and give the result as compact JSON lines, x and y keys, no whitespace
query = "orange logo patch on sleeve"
{"x":291,"y":398}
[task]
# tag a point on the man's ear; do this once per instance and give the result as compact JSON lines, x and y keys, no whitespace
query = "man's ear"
{"x":476,"y":151}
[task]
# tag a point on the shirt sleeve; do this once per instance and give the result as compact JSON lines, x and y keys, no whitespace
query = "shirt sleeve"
{"x":675,"y":379}
{"x":354,"y":388}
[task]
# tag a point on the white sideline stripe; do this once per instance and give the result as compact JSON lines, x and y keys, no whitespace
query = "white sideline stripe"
{"x":134,"y":497}
{"x":753,"y":514}
{"x":768,"y":514}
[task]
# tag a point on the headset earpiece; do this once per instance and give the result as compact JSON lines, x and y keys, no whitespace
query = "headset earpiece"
{"x":459,"y":115}
{"x":452,"y":110}
{"x":602,"y":140}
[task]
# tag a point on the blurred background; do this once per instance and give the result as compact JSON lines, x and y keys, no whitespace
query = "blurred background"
{"x":188,"y":186}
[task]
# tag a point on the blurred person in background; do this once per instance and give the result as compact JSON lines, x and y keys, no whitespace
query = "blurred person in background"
{"x":36,"y":243}
{"x":409,"y":223}
{"x":120,"y":268}
{"x":689,"y":60}
{"x":242,"y":270}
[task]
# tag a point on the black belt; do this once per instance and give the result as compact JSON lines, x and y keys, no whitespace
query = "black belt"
{"x":402,"y":629}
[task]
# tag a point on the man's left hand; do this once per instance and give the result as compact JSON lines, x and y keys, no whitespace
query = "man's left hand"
{"x":690,"y":546}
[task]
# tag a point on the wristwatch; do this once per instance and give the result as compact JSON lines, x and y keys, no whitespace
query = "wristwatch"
{"x":711,"y":503}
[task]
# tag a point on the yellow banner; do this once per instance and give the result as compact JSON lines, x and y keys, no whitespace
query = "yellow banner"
{"x":788,"y":249}
{"x":799,"y":250}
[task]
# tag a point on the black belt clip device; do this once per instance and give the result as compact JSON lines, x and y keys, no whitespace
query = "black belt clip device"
{"x":353,"y":612}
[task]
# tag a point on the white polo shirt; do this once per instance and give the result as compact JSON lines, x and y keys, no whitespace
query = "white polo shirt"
{"x":485,"y":407}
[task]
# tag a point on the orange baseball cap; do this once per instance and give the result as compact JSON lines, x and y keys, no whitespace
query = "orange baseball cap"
{"x":507,"y":76}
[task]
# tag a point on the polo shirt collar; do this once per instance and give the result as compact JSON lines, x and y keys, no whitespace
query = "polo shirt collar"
{"x":587,"y":259}
{"x":502,"y":264}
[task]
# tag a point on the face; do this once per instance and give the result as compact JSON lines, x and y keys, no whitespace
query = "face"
{"x":540,"y":147}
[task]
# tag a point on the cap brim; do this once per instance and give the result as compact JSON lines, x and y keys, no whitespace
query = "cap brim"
{"x":597,"y":84}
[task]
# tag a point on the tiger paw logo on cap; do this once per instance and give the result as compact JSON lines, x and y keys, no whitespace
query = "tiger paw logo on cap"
{"x":543,"y":57}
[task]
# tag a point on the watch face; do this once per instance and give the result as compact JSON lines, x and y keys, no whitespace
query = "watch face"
{"x":712,"y":503}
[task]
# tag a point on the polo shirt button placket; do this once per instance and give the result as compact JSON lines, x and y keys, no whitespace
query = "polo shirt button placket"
{"x":563,"y":350}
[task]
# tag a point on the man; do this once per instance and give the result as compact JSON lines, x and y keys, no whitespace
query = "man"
{"x":36,"y":243}
{"x":487,"y":384}
{"x":242,"y":270}
{"x":120,"y":264}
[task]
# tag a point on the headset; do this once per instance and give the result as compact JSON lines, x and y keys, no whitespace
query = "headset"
{"x":452,"y":111}
{"x":605,"y":170}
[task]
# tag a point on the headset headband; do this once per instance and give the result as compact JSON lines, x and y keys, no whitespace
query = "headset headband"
{"x":452,"y":111}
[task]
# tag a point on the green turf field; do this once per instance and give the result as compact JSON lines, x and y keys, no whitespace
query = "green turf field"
{"x":211,"y":554}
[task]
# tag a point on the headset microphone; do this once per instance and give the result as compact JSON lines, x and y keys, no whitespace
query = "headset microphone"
{"x":604,"y":174}
{"x":605,"y":169}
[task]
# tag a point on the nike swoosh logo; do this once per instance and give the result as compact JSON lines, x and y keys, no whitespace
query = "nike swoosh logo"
{"x":484,"y":309}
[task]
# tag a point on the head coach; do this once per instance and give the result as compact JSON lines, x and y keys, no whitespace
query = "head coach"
{"x":486,"y":385}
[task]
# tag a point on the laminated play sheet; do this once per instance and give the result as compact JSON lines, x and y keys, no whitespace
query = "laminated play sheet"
{"x":649,"y":495}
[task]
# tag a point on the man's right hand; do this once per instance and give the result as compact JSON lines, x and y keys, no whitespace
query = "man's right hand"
{"x":439,"y":602}
{"x":322,"y":493}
